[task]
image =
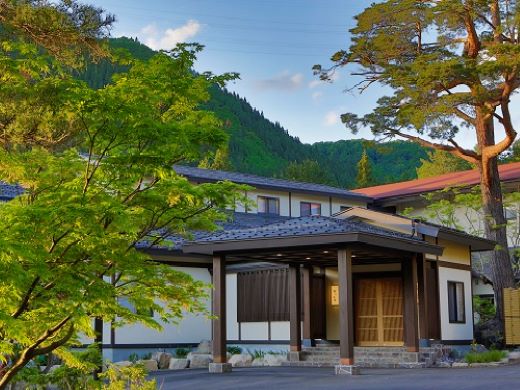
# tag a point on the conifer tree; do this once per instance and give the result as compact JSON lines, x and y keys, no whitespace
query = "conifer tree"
{"x":364,"y":171}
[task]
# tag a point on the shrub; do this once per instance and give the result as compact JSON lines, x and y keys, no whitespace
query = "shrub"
{"x":133,"y":357}
{"x":234,"y":350}
{"x":485,"y":357}
{"x":146,"y":356}
{"x":181,"y":353}
{"x":257,"y":354}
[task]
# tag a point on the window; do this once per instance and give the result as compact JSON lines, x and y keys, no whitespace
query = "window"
{"x":456,"y":306}
{"x":268,"y":205}
{"x":308,"y":208}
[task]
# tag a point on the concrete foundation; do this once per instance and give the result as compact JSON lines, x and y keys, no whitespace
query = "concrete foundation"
{"x":220,"y":368}
{"x":341,"y":369}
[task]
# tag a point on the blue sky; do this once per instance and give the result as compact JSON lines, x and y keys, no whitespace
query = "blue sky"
{"x":273,"y":44}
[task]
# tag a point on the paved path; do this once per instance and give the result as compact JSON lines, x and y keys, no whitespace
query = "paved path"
{"x":274,"y":378}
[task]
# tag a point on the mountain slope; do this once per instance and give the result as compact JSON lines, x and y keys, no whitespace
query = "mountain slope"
{"x":262,"y":147}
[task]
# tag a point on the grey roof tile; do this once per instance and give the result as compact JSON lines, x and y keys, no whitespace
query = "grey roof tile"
{"x":266,"y":182}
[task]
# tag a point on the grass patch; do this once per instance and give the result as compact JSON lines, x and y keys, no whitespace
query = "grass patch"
{"x":485,"y":357}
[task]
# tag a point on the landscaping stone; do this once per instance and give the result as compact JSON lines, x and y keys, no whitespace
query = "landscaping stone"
{"x":178,"y":364}
{"x":199,"y":360}
{"x":459,"y":364}
{"x":219,"y":368}
{"x":443,"y":364}
{"x":514,"y":356}
{"x":164,"y":360}
{"x":123,"y":363}
{"x":274,"y":360}
{"x":241,"y":360}
{"x":204,"y":347}
{"x":149,"y":365}
{"x":259,"y":362}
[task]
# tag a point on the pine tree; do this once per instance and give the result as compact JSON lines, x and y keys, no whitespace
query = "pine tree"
{"x":364,"y":171}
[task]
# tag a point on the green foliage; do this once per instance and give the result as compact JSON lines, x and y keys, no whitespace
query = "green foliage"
{"x":440,"y":162}
{"x":364,"y":171}
{"x":134,"y":357}
{"x":307,"y":171}
{"x":126,"y":378}
{"x":257,"y":354}
{"x":146,"y":356}
{"x":96,"y":169}
{"x":181,"y":352}
{"x":484,"y":307}
{"x":234,"y":350}
{"x":493,"y":355}
{"x":74,"y":372}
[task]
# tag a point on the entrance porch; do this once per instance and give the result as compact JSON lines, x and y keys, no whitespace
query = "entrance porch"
{"x":386,"y":309}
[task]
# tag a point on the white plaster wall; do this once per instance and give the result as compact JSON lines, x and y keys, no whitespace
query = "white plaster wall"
{"x":294,"y":204}
{"x":280,"y":330}
{"x":254,"y":331}
{"x":231,"y":307}
{"x":455,"y":331}
{"x":191,"y":329}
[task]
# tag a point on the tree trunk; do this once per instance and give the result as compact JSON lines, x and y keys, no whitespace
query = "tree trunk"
{"x":494,"y":221}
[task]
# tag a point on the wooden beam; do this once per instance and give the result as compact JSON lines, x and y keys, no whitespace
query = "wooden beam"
{"x":422,"y":268}
{"x":295,"y":316}
{"x":307,"y":309}
{"x":219,"y":309}
{"x":346,"y":307}
{"x":411,"y":331}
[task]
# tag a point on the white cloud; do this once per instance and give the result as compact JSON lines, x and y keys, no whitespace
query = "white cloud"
{"x":317,"y":95}
{"x":282,"y":82}
{"x":168,"y":38}
{"x":331,"y":118}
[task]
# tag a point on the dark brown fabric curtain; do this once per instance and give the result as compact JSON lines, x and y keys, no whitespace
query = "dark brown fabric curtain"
{"x":263,"y":295}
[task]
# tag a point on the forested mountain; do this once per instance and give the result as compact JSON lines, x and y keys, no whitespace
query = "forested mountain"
{"x":262,"y":147}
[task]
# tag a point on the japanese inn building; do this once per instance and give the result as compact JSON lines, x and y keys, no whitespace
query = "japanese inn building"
{"x":312,"y":265}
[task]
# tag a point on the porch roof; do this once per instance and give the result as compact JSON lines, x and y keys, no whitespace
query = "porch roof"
{"x":305,"y":232}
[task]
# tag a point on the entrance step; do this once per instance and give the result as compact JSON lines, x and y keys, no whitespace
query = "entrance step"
{"x":380,"y":357}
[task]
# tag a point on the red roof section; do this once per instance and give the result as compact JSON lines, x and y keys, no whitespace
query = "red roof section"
{"x":507,"y":172}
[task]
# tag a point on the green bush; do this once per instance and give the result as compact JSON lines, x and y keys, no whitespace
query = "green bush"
{"x":234,"y":350}
{"x":181,"y":353}
{"x":133,"y":357}
{"x":485,"y":357}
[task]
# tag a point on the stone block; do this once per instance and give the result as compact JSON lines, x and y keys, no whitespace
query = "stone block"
{"x":199,"y":360}
{"x":342,"y":369}
{"x":219,"y":368}
{"x":459,"y":365}
{"x":294,"y":356}
{"x":259,"y":362}
{"x":241,"y":360}
{"x":274,"y":360}
{"x":514,"y":356}
{"x":149,"y":365}
{"x":204,"y":347}
{"x":178,"y":364}
{"x":164,"y":360}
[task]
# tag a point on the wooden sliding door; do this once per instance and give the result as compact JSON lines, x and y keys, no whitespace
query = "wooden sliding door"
{"x":379,"y":312}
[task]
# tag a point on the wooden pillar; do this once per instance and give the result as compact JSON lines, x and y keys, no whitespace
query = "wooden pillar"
{"x":411,"y":331}
{"x":422,"y":268}
{"x":219,"y":309}
{"x":295,"y":309}
{"x":308,"y":340}
{"x":346,"y":307}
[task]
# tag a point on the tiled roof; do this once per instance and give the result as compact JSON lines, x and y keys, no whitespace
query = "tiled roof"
{"x":507,"y":172}
{"x":9,"y":191}
{"x":236,"y":221}
{"x":266,"y":182}
{"x":301,"y":226}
